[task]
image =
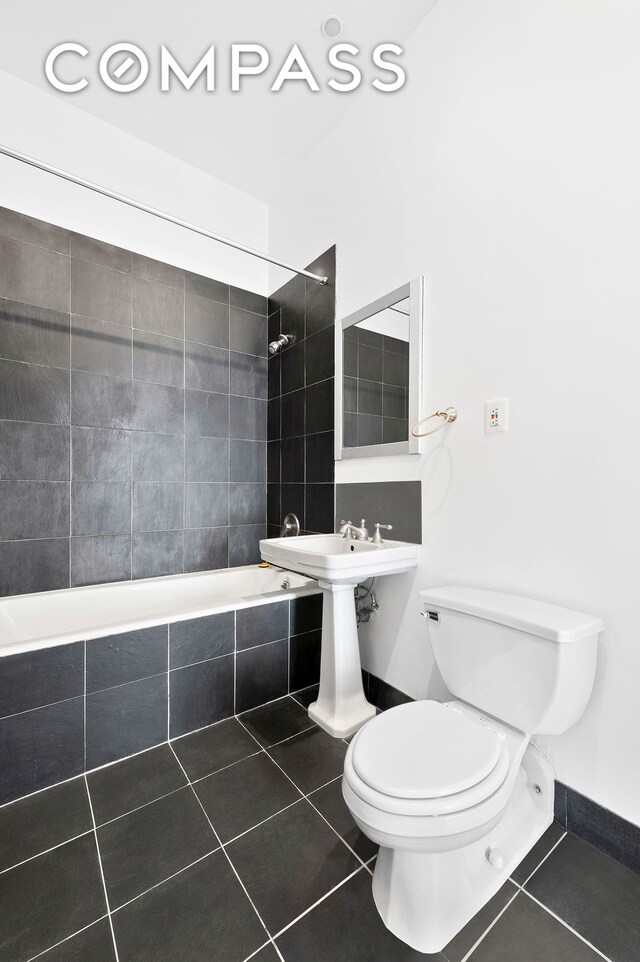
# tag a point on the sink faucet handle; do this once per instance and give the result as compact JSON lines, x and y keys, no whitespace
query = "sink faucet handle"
{"x":377,"y":538}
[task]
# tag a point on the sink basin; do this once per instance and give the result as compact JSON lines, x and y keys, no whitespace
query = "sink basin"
{"x":332,"y":558}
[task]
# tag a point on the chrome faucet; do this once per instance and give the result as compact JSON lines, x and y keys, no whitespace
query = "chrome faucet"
{"x":348,"y":530}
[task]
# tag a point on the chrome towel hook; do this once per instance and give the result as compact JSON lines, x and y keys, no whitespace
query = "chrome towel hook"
{"x":448,"y":416}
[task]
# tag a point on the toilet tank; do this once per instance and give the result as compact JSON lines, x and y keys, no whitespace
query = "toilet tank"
{"x":527,"y":663}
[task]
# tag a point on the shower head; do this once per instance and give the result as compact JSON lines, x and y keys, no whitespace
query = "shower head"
{"x":285,"y":340}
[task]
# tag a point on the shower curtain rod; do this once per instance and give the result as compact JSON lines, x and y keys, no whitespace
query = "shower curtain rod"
{"x":81,"y":182}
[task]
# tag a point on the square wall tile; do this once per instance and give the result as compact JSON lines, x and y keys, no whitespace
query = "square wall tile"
{"x":304,"y":658}
{"x":157,"y":506}
{"x":157,"y":407}
{"x":100,"y":507}
{"x":157,"y":271}
{"x":29,"y":392}
{"x":248,"y":301}
{"x":125,"y":720}
{"x":158,"y":308}
{"x":248,"y":332}
{"x":27,"y":566}
{"x":125,"y":657}
{"x":33,"y":452}
{"x":34,"y":509}
{"x":33,"y":334}
{"x":207,"y":504}
{"x":261,"y":674}
{"x":200,"y":639}
{"x":99,"y":401}
{"x":261,"y":624}
{"x":97,"y":560}
{"x":158,"y":358}
{"x":206,"y":459}
{"x":32,"y":679}
{"x":32,"y":275}
{"x":206,"y":549}
{"x":206,"y":321}
{"x":248,"y":419}
{"x":21,"y":227}
{"x":100,"y":347}
{"x":206,"y":415}
{"x":247,"y":503}
{"x":158,"y":457}
{"x":157,"y":553}
{"x":98,"y":252}
{"x":206,"y":287}
{"x":100,"y":454}
{"x":248,"y":375}
{"x":100,"y":292}
{"x":244,"y":544}
{"x":41,"y":747}
{"x":206,"y":368}
{"x":201,"y":694}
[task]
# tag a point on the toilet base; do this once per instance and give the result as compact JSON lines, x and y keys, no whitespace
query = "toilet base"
{"x":426,"y":898}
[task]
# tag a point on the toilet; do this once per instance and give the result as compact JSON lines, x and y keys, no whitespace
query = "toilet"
{"x":456,"y":793}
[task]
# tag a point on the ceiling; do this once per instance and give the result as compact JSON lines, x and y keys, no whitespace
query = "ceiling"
{"x":248,"y":139}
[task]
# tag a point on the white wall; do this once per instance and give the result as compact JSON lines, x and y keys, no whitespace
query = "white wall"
{"x":517,"y":193}
{"x":59,"y":134}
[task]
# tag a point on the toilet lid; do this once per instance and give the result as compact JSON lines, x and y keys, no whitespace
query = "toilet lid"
{"x":424,"y":750}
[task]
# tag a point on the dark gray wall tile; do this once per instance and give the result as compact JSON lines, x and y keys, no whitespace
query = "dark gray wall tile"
{"x":157,"y":271}
{"x":200,"y":639}
{"x":100,"y":454}
{"x":100,"y":507}
{"x":201,"y":695}
{"x":36,"y":678}
{"x":157,"y":457}
{"x":395,"y":429}
{"x":33,"y":452}
{"x":206,"y":415}
{"x":248,"y":375}
{"x":157,"y":553}
{"x":157,"y":407}
{"x":41,"y":747}
{"x":248,"y":419}
{"x":206,"y":321}
{"x":27,"y":566}
{"x":390,"y":502}
{"x":33,"y":275}
{"x":248,"y":461}
{"x":369,"y":397}
{"x":32,"y":231}
{"x":247,"y":332}
{"x":33,"y":334}
{"x":244,"y":544}
{"x":602,"y":828}
{"x":96,"y":560}
{"x":158,"y":358}
{"x":29,"y":392}
{"x":206,"y":459}
{"x":304,"y":655}
{"x":261,"y":674}
{"x":206,"y":287}
{"x":34,"y":509}
{"x":206,"y":549}
{"x":395,"y":369}
{"x":157,"y":308}
{"x":394,"y":401}
{"x":319,"y":403}
{"x":129,"y":656}
{"x":262,"y":624}
{"x":292,"y":419}
{"x":100,"y":347}
{"x":292,"y":368}
{"x":100,"y":401}
{"x":207,"y":505}
{"x":157,"y":506}
{"x":99,"y":252}
{"x":247,"y":503}
{"x":369,"y":427}
{"x":248,"y":301}
{"x":206,"y":368}
{"x":319,"y":453}
{"x":293,"y":459}
{"x":306,"y":614}
{"x":319,"y":507}
{"x":100,"y":292}
{"x":319,"y":356}
{"x":125,"y":720}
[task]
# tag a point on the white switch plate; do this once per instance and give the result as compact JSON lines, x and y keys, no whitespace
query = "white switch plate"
{"x":496,"y":416}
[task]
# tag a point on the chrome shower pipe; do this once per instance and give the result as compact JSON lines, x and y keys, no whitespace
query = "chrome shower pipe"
{"x":123,"y":199}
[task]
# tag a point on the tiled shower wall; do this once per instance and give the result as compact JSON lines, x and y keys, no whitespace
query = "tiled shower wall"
{"x":375,"y":391}
{"x":300,"y":458}
{"x":133,"y":414}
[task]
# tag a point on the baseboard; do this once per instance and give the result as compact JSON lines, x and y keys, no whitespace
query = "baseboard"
{"x":576,"y":813}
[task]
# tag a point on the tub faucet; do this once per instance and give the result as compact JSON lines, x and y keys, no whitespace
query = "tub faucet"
{"x":348,"y":530}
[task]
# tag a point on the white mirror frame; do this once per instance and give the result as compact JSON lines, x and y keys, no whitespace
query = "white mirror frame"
{"x":415,"y":291}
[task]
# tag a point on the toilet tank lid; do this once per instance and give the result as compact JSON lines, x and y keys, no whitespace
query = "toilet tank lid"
{"x":535,"y":617}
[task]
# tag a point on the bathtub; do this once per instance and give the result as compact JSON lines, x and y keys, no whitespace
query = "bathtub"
{"x":97,"y":674}
{"x":48,"y":618}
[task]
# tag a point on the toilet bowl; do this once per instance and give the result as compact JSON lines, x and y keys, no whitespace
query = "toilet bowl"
{"x":454,"y":795}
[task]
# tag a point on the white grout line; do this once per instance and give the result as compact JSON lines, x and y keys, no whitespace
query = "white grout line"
{"x":67,"y":939}
{"x":488,"y":929}
{"x":552,"y":849}
{"x":566,"y":925}
{"x":167,"y":879}
{"x":46,"y":851}
{"x":233,"y":869}
{"x":104,"y":884}
{"x":315,"y":904}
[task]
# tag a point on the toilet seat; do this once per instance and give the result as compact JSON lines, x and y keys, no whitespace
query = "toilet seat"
{"x":426,"y":758}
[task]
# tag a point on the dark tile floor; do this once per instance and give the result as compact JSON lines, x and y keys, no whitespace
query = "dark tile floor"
{"x":234,"y":843}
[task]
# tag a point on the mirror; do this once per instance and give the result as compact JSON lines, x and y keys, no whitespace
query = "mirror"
{"x":378,"y":362}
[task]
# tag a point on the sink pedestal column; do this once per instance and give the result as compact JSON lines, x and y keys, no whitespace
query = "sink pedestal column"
{"x":341,"y":708}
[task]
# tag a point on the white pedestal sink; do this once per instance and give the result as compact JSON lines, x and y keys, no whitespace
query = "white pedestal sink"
{"x":339,"y":565}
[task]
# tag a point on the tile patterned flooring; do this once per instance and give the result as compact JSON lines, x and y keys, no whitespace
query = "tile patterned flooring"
{"x":233,"y":843}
